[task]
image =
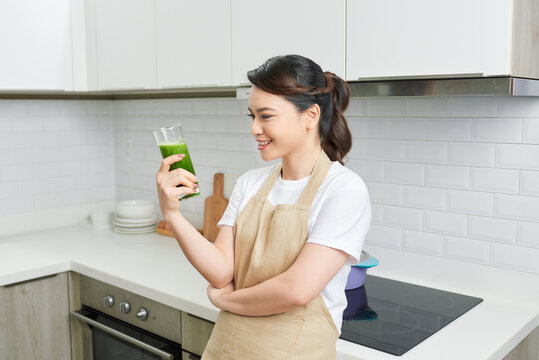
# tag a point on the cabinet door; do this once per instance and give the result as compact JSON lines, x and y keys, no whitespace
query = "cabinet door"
{"x":125,"y":41}
{"x":34,"y":321}
{"x":262,"y":29}
{"x":195,"y":333}
{"x":424,"y":37}
{"x":35,"y":43}
{"x":193,"y":42}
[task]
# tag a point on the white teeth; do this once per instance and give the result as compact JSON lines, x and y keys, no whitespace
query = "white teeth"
{"x":264,"y":142}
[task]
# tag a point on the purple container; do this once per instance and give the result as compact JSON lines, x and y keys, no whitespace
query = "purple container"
{"x":358,"y":272}
{"x":356,"y":278}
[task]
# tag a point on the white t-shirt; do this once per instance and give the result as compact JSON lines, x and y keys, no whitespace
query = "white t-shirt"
{"x":340,"y":218}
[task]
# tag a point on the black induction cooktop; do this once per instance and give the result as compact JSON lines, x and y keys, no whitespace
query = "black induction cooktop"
{"x":394,"y":316}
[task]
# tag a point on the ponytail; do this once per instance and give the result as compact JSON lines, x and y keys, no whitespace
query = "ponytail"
{"x":337,"y":140}
{"x":302,"y":82}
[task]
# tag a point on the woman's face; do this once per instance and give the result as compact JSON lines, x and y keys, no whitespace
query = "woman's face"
{"x":278,"y":127}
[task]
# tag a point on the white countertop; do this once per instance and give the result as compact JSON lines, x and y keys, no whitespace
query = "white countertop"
{"x":154,"y":266}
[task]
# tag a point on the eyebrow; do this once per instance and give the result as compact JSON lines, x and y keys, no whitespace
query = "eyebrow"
{"x":262,"y":109}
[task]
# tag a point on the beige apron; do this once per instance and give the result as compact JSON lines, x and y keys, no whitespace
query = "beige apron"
{"x":267,"y":242}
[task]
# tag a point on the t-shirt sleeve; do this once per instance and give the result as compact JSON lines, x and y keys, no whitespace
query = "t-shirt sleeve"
{"x":344,"y":220}
{"x":231,"y":212}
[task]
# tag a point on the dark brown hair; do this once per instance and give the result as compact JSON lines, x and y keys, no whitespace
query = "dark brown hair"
{"x":302,"y":82}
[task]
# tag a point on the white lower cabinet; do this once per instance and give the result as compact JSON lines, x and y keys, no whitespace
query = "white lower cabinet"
{"x":34,"y":320}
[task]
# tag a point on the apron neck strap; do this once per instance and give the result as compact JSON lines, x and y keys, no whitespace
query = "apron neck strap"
{"x":320,"y":170}
{"x":319,"y":173}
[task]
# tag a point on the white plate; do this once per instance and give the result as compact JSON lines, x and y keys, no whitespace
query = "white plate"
{"x":133,"y":232}
{"x":130,"y":226}
{"x":121,"y":220}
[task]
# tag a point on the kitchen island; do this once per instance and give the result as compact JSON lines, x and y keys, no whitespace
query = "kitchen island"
{"x":154,"y":266}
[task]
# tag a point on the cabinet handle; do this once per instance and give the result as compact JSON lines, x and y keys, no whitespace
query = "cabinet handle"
{"x":118,"y":334}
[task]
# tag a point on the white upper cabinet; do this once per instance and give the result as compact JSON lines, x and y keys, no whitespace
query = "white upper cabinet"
{"x":391,"y":38}
{"x":193,"y":43}
{"x":35,"y":43}
{"x":262,"y":29}
{"x":124,"y":43}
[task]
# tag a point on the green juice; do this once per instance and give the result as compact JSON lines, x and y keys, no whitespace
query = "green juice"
{"x":185,"y":163}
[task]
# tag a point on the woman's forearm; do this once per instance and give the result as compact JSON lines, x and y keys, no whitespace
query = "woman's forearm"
{"x":270,"y":297}
{"x":214,"y":264}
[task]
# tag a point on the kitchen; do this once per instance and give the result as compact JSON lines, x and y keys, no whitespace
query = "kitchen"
{"x":453,"y":177}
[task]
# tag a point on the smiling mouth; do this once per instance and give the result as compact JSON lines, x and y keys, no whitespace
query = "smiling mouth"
{"x":263,"y":144}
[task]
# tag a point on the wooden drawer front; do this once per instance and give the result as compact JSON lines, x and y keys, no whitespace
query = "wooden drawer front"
{"x":195,"y":333}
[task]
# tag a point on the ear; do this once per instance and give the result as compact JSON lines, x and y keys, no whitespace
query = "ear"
{"x":312,"y":116}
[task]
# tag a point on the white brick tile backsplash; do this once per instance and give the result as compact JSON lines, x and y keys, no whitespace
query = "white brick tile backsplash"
{"x":531,"y":131}
{"x":385,"y":236}
{"x":402,"y":217}
{"x":466,"y":249}
{"x":453,"y":177}
{"x":403,"y":173}
{"x":516,"y":207}
{"x":504,"y":130}
{"x":470,"y":202}
{"x":427,"y":106}
{"x":377,"y":214}
{"x":472,"y":154}
{"x":515,"y":257}
{"x":528,"y":234}
{"x":445,"y":129}
{"x":356,"y":107}
{"x":529,"y":183}
{"x":386,"y":106}
{"x":518,"y":106}
{"x":381,"y":193}
{"x":445,"y":223}
{"x":384,"y":150}
{"x":367,"y":127}
{"x":494,"y":180}
{"x":492,"y":229}
{"x":415,"y":154}
{"x":368,"y":169}
{"x":183,"y":107}
{"x":426,"y":152}
{"x":422,"y":242}
{"x":425,"y":197}
{"x":406,"y":128}
{"x":476,"y":106}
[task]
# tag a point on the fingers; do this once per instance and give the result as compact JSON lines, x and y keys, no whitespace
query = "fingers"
{"x":165,"y":164}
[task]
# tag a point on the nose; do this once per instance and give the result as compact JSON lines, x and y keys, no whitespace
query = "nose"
{"x":256,"y":129}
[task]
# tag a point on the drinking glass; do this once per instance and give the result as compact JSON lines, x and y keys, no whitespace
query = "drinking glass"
{"x":171,"y":142}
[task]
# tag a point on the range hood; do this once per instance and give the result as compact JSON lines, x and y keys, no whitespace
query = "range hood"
{"x":442,"y":85}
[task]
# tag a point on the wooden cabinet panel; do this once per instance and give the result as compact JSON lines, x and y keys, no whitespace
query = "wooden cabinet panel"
{"x":528,"y":348}
{"x":195,"y":333}
{"x":34,"y":321}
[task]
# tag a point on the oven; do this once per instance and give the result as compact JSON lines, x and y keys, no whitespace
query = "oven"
{"x":110,"y":323}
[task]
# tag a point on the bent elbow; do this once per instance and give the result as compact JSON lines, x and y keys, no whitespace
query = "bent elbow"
{"x":299,"y":297}
{"x":221,"y":281}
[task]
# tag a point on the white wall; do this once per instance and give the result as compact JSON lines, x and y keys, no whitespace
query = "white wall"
{"x":54,"y":154}
{"x":454,"y":177}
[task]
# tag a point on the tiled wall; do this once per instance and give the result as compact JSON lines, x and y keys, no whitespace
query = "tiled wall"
{"x":456,"y":177}
{"x":54,"y":154}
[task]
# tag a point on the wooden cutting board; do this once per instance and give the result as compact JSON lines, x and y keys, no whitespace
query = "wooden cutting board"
{"x":214,"y":207}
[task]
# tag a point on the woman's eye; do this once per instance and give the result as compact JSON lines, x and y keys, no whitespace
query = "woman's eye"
{"x":266,"y":117}
{"x":251,"y":116}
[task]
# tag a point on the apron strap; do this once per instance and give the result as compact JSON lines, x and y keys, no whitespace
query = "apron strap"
{"x":265,"y":189}
{"x":320,"y":170}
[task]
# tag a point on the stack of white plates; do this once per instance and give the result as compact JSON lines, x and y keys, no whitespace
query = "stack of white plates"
{"x":134,"y":226}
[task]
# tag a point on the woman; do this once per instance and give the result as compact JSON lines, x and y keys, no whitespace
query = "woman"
{"x":280,"y":263}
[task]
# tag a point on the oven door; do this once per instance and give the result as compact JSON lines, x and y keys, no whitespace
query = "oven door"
{"x":113,"y":339}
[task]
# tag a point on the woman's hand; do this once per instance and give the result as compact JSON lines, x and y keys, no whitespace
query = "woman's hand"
{"x":168,"y":184}
{"x":215,"y":294}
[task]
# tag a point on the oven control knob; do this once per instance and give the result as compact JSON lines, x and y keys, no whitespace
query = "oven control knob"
{"x":142,"y":314}
{"x":108,"y":301}
{"x":125,"y":307}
